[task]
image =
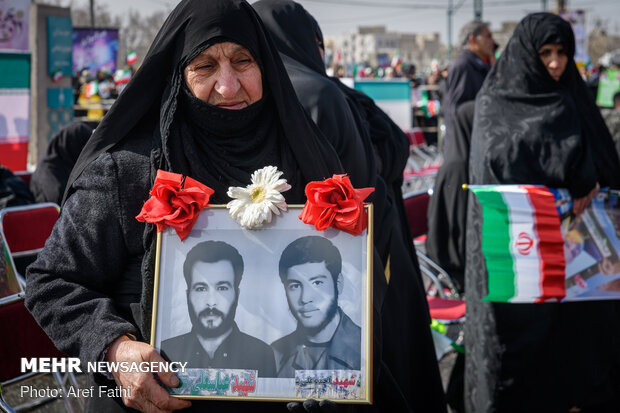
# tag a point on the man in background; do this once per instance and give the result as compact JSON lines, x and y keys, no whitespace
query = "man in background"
{"x":466,"y":74}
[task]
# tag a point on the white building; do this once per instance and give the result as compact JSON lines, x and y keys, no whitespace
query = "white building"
{"x":374,"y":46}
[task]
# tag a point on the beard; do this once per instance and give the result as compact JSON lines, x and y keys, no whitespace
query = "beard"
{"x":329,"y":316}
{"x":212,"y":332}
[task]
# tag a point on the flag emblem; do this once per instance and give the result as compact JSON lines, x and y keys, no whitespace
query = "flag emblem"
{"x":524,"y":243}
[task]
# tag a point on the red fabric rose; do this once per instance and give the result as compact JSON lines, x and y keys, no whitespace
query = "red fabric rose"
{"x":174,"y":203}
{"x":335,"y":203}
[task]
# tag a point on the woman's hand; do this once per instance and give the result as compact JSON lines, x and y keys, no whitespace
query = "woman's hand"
{"x":144,"y":393}
{"x":580,"y":204}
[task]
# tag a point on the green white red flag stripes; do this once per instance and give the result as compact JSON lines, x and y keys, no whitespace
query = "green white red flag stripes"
{"x":522,"y":243}
{"x":132,"y":57}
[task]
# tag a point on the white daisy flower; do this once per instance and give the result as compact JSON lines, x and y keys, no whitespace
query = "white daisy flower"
{"x":253,"y":205}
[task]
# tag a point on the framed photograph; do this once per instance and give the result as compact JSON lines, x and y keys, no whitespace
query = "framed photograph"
{"x":280,"y":313}
{"x":10,"y":287}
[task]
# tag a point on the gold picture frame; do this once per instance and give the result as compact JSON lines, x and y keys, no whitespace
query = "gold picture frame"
{"x":278,"y":308}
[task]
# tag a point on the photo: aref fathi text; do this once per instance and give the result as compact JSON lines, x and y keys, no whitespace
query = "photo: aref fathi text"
{"x":71,"y":391}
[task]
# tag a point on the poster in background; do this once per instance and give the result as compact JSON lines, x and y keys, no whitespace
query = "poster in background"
{"x":95,"y":49}
{"x":59,"y":45}
{"x":14,"y":25}
{"x":592,"y":250}
{"x":14,"y":110}
{"x":60,"y":109}
{"x":608,"y":85}
{"x":577,"y":19}
{"x":392,"y":96}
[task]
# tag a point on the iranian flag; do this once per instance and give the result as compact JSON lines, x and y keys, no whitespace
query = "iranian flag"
{"x":132,"y":57}
{"x":122,"y":76}
{"x":522,"y":243}
{"x":92,"y":88}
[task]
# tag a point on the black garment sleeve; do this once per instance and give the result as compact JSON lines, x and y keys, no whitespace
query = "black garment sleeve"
{"x":72,"y":285}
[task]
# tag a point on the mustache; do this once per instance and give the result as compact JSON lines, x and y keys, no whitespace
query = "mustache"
{"x":211,"y":312}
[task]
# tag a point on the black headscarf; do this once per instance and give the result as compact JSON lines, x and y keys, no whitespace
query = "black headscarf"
{"x":156,"y":95}
{"x":49,"y":180}
{"x":531,"y":129}
{"x":294,"y":32}
{"x":297,"y":34}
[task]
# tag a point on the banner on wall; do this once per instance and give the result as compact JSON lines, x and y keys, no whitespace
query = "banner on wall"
{"x":392,"y":96}
{"x":59,"y":45}
{"x":608,"y":86}
{"x":95,"y":49}
{"x":14,"y":25}
{"x":14,"y":110}
{"x":59,"y":109}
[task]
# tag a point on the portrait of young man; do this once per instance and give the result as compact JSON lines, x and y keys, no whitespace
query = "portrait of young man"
{"x":212,"y":271}
{"x":325,"y":338}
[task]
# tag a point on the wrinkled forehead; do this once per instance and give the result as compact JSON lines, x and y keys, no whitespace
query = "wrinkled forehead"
{"x":221,"y":47}
{"x":224,"y":49}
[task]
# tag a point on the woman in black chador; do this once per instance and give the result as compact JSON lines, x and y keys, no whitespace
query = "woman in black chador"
{"x":212,"y":101}
{"x":535,"y":123}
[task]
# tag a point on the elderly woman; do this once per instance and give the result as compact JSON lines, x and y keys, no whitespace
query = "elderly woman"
{"x":535,"y":123}
{"x":211,"y":101}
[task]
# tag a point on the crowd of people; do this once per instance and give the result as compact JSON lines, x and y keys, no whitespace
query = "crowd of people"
{"x":228,"y":88}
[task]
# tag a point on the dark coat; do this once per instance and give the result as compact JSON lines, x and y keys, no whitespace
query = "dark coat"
{"x":447,"y":209}
{"x":465,"y":78}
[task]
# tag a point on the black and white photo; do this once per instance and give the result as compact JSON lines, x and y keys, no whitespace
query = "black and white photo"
{"x":212,"y":271}
{"x":280,"y":312}
{"x":325,"y":337}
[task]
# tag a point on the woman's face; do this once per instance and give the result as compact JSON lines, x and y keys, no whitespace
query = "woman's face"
{"x":554,"y":58}
{"x":225,"y":75}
